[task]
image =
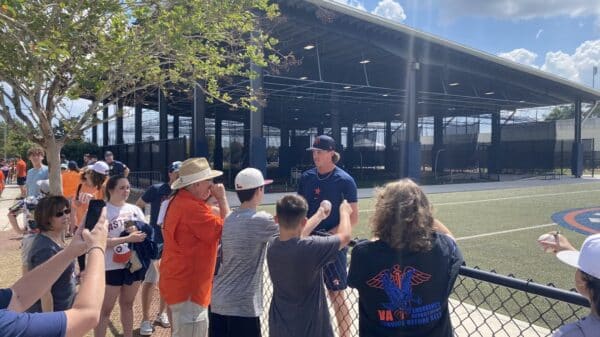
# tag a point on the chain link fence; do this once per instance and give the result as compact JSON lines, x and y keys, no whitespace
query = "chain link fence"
{"x":481,"y":304}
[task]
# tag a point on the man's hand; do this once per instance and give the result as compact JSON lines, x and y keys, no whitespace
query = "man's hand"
{"x":345,"y":208}
{"x":557,"y":244}
{"x":97,"y":237}
{"x":324,"y":210}
{"x":77,"y":246}
{"x":137,"y":236}
{"x":218,"y":191}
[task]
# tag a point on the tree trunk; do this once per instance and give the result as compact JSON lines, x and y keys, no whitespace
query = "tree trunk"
{"x":53,"y":148}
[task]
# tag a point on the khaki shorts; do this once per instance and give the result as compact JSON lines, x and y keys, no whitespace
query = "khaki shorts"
{"x":189,"y":320}
{"x":26,"y":244}
{"x":152,"y":274}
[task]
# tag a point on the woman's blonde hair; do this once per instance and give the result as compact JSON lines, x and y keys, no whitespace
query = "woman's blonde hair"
{"x":403,"y":216}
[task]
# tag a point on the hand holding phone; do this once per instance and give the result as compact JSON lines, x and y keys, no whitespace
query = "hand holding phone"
{"x":93,"y":213}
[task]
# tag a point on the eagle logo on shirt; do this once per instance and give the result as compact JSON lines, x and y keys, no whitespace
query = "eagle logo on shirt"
{"x":398,"y":286}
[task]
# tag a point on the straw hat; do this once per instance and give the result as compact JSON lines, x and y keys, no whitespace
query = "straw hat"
{"x":192,"y":171}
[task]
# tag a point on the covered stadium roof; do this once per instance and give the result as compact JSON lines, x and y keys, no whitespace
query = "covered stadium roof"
{"x":357,"y":62}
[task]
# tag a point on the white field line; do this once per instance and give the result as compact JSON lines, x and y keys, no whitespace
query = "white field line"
{"x":504,"y":232}
{"x":497,"y":199}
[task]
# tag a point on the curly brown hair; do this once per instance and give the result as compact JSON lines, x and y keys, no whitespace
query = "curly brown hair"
{"x":403,"y":216}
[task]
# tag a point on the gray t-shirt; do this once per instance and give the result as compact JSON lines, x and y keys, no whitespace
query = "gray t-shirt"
{"x":299,"y":306}
{"x":237,"y":288}
{"x":586,"y":327}
{"x":63,"y":290}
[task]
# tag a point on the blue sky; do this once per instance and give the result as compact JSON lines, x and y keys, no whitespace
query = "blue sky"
{"x":558,"y":36}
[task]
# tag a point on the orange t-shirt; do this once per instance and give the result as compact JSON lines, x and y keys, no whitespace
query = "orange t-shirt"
{"x":21,"y":168}
{"x":1,"y":181}
{"x":82,"y":207}
{"x":192,"y":233}
{"x":70,"y":181}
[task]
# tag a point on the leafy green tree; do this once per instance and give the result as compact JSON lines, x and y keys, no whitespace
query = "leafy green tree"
{"x":568,"y":112}
{"x":17,"y":142}
{"x":108,"y":50}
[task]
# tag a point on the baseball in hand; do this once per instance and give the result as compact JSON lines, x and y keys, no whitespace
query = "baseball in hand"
{"x":326,"y":204}
{"x":547,"y":242}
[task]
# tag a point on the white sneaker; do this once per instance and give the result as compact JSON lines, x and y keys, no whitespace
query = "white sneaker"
{"x":146,"y":328}
{"x":163,"y":320}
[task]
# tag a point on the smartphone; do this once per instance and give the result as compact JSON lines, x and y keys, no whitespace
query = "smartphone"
{"x":93,"y":213}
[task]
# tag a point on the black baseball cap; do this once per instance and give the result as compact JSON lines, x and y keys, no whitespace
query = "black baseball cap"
{"x":323,"y":142}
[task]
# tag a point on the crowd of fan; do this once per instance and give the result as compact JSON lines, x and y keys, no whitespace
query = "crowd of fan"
{"x":207,"y":260}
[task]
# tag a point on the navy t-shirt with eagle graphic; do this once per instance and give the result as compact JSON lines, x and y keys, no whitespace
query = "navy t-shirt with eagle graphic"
{"x":403,"y":293}
{"x":334,"y":186}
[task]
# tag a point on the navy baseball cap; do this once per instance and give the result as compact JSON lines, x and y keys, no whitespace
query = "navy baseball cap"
{"x":323,"y":142}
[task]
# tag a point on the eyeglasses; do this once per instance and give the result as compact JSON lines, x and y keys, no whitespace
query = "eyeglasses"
{"x":60,"y":214}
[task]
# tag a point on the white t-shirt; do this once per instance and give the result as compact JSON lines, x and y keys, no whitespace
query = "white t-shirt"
{"x":117,"y":216}
{"x":162,"y":212}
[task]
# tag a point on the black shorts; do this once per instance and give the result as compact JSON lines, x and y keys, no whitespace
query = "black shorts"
{"x":21,"y":181}
{"x":233,"y":326}
{"x":335,"y":274}
{"x":119,"y":277}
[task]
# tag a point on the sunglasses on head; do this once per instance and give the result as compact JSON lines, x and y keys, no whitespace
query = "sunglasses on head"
{"x":61,"y":213}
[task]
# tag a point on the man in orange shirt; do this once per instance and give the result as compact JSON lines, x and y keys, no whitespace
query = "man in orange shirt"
{"x":21,"y":175}
{"x":191,"y":233}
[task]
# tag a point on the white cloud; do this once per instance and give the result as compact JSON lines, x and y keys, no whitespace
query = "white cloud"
{"x":521,"y":55}
{"x":391,"y":10}
{"x":353,"y":3}
{"x":577,"y":66}
{"x":561,"y":64}
{"x":519,"y":9}
{"x":537,"y":36}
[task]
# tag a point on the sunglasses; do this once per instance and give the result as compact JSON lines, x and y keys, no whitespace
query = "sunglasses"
{"x":60,"y":214}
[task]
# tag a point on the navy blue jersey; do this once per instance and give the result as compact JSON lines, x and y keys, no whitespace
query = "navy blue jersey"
{"x":154,"y":196}
{"x":404,"y":293}
{"x":334,"y":186}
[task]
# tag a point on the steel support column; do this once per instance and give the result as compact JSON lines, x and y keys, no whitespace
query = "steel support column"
{"x":163,"y":120}
{"x":494,"y":165}
{"x":218,"y":152}
{"x":138,"y":122}
{"x":95,"y":129}
{"x":388,"y":146}
{"x":285,"y":158}
{"x":258,"y":144}
{"x":119,"y":122}
{"x":577,"y":151}
{"x":437,"y":155}
{"x":198,"y":137}
{"x":105,"y":124}
{"x":175,"y":126}
{"x":412,"y":156}
{"x":336,"y":129}
{"x":348,"y":157}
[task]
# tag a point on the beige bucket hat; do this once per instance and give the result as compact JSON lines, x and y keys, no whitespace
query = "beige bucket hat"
{"x":194,"y":170}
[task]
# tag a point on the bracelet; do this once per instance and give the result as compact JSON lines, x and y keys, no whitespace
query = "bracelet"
{"x":96,"y":247}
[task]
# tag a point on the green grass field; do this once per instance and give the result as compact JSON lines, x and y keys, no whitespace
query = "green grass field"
{"x":474,"y":213}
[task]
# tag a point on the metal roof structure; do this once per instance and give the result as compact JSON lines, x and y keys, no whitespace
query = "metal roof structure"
{"x":357,"y":62}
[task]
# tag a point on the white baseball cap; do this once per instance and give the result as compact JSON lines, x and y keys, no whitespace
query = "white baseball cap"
{"x":587,"y":259}
{"x":100,"y":167}
{"x":250,"y":178}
